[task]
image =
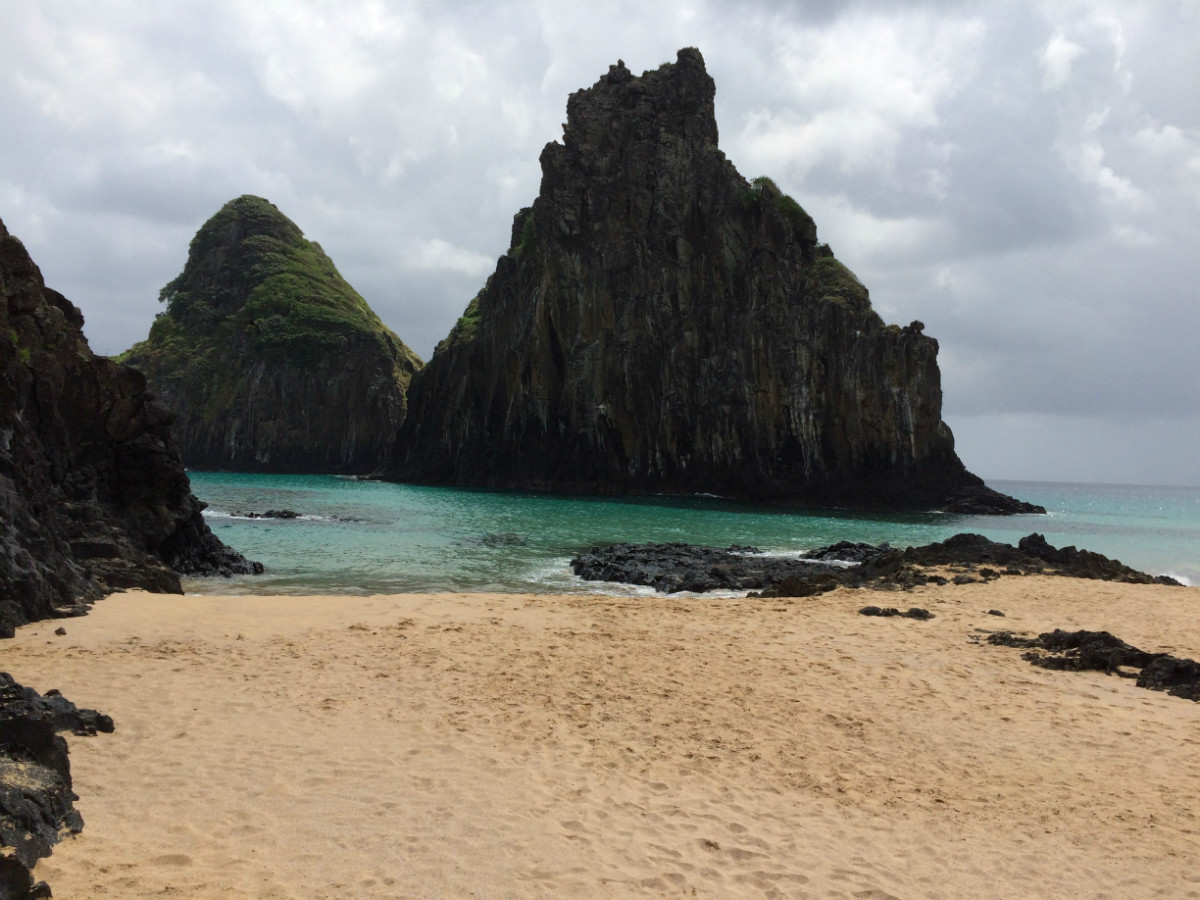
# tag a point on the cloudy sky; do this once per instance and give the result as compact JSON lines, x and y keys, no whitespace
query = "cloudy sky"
{"x":1021,"y":175}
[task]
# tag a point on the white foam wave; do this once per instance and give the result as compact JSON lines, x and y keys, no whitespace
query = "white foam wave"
{"x":560,"y":578}
{"x":798,"y":556}
{"x":221,"y":514}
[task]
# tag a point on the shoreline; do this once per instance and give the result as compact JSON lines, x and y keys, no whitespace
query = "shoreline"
{"x":512,"y":745}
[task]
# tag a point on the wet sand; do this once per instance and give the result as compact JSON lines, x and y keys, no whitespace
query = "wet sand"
{"x":492,"y":745}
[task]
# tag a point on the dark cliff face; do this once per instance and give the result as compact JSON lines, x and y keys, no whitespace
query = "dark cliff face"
{"x":271,"y":361}
{"x":93,"y":496}
{"x":661,"y":324}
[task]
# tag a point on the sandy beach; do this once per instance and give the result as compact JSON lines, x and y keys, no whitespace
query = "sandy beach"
{"x":493,"y":745}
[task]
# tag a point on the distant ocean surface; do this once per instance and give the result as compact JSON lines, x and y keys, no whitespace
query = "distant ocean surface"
{"x":361,"y":537}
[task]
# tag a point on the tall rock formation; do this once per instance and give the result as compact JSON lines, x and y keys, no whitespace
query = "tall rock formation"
{"x":93,"y":496}
{"x":271,"y":361}
{"x":659,"y":323}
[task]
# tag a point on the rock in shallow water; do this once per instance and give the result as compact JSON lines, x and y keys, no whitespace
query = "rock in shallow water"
{"x":675,"y":567}
{"x":661,"y":324}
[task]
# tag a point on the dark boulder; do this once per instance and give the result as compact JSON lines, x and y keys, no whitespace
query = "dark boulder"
{"x":660,"y":324}
{"x":1178,"y":677}
{"x":1079,"y":650}
{"x":36,"y":796}
{"x":1076,"y":651}
{"x":914,"y":612}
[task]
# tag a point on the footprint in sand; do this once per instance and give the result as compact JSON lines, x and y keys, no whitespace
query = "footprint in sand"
{"x":173,"y":859}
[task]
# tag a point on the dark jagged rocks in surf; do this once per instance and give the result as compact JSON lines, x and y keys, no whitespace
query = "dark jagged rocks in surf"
{"x":93,"y":496}
{"x":36,"y":800}
{"x":661,"y":324}
{"x":270,"y":360}
{"x":675,"y":567}
{"x":1032,"y":555}
{"x":1077,"y":651}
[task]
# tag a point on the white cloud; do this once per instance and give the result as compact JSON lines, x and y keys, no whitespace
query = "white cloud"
{"x":858,"y":234}
{"x":851,"y":139}
{"x":438,"y":254}
{"x":317,"y":56}
{"x":1165,"y":141}
{"x":848,"y":91}
{"x":1088,"y":161}
{"x":1056,"y":58}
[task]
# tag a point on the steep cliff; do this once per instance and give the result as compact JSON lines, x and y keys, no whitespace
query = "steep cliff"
{"x":93,"y":497}
{"x":659,"y":323}
{"x":270,"y":360}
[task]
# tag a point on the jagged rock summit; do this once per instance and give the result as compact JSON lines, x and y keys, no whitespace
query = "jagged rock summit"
{"x":93,"y":496}
{"x":271,"y":361}
{"x":661,"y":324}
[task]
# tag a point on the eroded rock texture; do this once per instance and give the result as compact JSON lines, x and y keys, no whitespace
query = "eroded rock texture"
{"x":36,"y":800}
{"x":272,"y":362}
{"x":659,"y":323}
{"x":1076,"y":651}
{"x":93,"y":497}
{"x":686,"y":567}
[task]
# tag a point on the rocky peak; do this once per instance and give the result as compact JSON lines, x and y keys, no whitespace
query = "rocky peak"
{"x":225,"y":253}
{"x":621,"y":112}
{"x":662,"y":324}
{"x":270,"y":359}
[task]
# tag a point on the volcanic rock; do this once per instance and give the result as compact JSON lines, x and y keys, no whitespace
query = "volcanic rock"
{"x":93,"y":496}
{"x":661,"y":324}
{"x":269,"y":359}
{"x":674,"y":566}
{"x":1077,"y":651}
{"x":36,"y":800}
{"x":888,"y":612}
{"x":677,"y":566}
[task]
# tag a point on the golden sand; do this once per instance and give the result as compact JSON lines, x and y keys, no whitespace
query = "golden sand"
{"x":492,"y":745}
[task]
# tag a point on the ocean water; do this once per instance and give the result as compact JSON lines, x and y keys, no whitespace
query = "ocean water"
{"x":361,"y":537}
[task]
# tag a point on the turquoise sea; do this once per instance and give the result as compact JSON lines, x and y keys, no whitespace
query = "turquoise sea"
{"x":361,"y":537}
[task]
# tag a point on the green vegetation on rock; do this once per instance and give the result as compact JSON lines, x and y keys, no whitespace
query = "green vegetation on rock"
{"x":258,"y":304}
{"x":834,"y":282}
{"x":466,"y":326}
{"x":764,"y":188}
{"x":528,"y":234}
{"x":273,"y":290}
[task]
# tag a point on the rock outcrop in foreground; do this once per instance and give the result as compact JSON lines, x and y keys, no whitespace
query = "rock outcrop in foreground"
{"x":271,"y":361}
{"x":36,"y":800}
{"x":93,"y":496}
{"x":1079,"y":651}
{"x":661,"y":324}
